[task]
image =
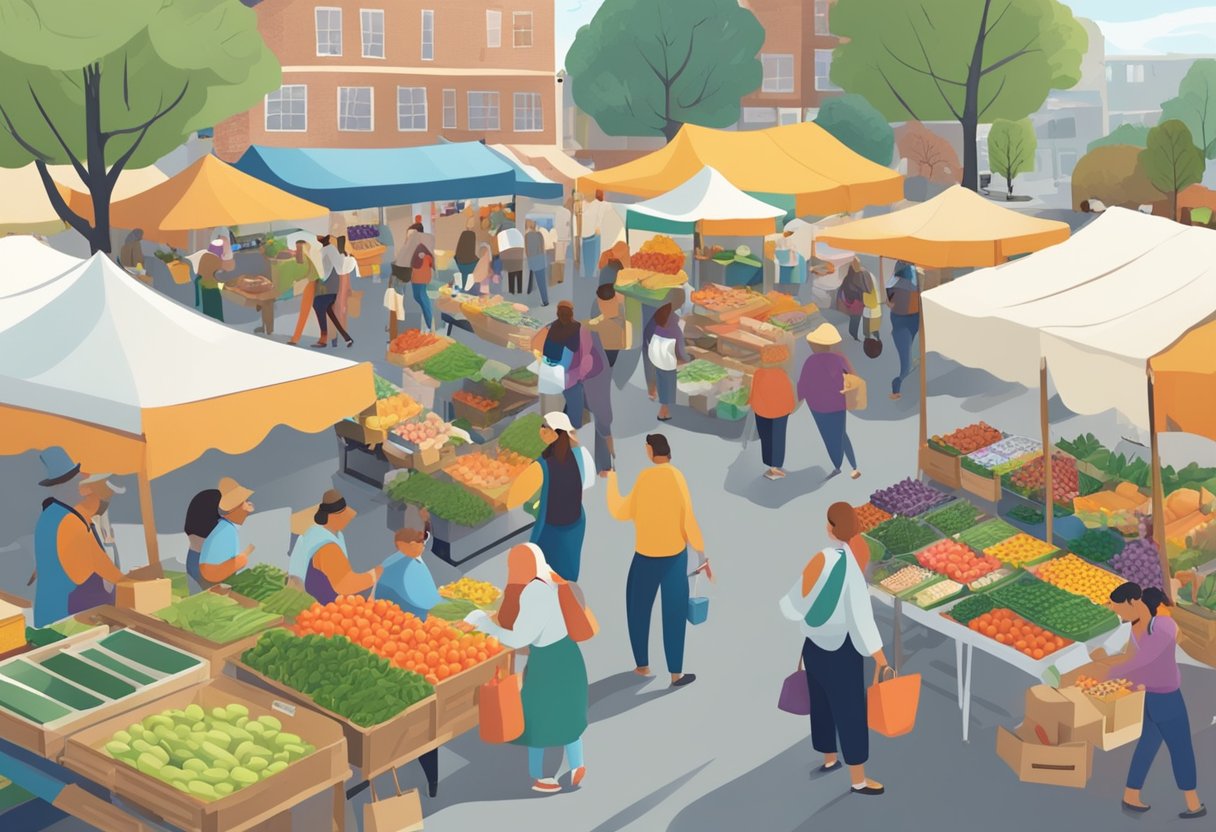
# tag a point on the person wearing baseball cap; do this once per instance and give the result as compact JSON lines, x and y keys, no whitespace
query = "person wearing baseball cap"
{"x":222,"y":556}
{"x":564,"y":471}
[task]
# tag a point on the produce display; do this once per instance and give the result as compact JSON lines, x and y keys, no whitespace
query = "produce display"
{"x":454,"y":363}
{"x":986,"y":534}
{"x":429,"y":432}
{"x":1007,"y":627}
{"x":481,"y":593}
{"x":869,"y":516}
{"x":1020,"y":550}
{"x":969,"y":439}
{"x":216,"y":617}
{"x":287,"y":602}
{"x":446,"y":500}
{"x":956,"y":561}
{"x":1031,"y":478}
{"x":994,"y":577}
{"x":1097,"y":545}
{"x":258,"y":582}
{"x":1080,"y":578}
{"x":1115,"y":508}
{"x":479,"y":470}
{"x":701,"y":371}
{"x":1107,"y":690}
{"x":512,"y":314}
{"x":385,"y":389}
{"x":338,"y":675}
{"x":412,"y":340}
{"x":789,"y":321}
{"x":1188,"y":512}
{"x":902,"y":535}
{"x":906,"y":579}
{"x":1001,"y":457}
{"x":432,"y":649}
{"x":454,"y":610}
{"x":208,"y":754}
{"x":521,"y":376}
{"x":523,"y":436}
{"x":717,"y":298}
{"x":908,"y":497}
{"x":1200,"y":592}
{"x":971,"y":607}
{"x":1065,"y":614}
{"x":354,"y":233}
{"x":391,"y":408}
{"x":480,"y":403}
{"x":954,"y":518}
{"x":658,"y":254}
{"x":936,"y":594}
{"x":1139,"y":562}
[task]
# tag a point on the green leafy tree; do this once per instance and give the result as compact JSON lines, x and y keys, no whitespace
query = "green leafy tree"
{"x":1195,"y":105}
{"x":1171,"y":161}
{"x":106,"y":85}
{"x":1134,"y":135}
{"x":972,"y":62}
{"x":648,"y":67}
{"x":858,"y":126}
{"x":1011,"y":148}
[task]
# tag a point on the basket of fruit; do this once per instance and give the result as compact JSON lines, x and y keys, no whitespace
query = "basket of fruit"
{"x":660,"y":254}
{"x":1030,"y":480}
{"x":1080,"y":577}
{"x":478,"y":411}
{"x":489,"y":477}
{"x":966,"y":440}
{"x":414,"y":346}
{"x":869,"y":516}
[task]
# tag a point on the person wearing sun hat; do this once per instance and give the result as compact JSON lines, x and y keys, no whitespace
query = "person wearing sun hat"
{"x":320,"y":558}
{"x":72,"y":567}
{"x":222,"y":555}
{"x":821,"y":386}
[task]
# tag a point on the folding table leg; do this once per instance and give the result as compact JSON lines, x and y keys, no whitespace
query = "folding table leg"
{"x":967,"y":694}
{"x":958,"y":670}
{"x":898,"y":637}
{"x":339,"y":791}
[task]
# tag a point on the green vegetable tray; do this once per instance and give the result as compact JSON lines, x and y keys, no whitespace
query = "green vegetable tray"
{"x":1051,"y":607}
{"x":882,"y":536}
{"x":988,"y":533}
{"x":942,"y":512}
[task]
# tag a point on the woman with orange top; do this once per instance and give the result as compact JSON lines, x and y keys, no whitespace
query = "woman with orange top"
{"x":772,"y":399}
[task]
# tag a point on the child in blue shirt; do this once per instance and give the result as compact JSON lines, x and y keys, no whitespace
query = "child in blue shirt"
{"x":407,"y":580}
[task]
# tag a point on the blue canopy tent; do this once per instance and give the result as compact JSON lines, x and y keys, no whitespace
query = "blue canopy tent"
{"x":350,"y":179}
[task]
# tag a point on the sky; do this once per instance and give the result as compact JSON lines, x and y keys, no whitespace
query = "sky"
{"x":1182,"y":25}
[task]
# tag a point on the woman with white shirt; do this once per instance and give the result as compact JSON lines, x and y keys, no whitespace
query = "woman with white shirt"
{"x":833,"y":606}
{"x":555,"y":682}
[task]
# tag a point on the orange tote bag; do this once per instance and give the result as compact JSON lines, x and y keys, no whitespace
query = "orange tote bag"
{"x":891,"y":704}
{"x":500,"y":709}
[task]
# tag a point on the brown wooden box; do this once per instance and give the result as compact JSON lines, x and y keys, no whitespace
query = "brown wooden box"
{"x":1198,"y":627}
{"x":240,"y":810}
{"x":987,"y":488}
{"x":940,"y":467}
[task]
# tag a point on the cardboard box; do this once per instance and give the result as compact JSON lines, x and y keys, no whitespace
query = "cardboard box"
{"x":1068,"y":764}
{"x":144,"y":596}
{"x":1121,"y":720}
{"x":1062,"y":718}
{"x":402,"y":813}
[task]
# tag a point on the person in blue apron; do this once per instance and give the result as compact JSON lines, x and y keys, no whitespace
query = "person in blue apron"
{"x":561,"y":475}
{"x":319,"y":559}
{"x":407,"y":580}
{"x":202,"y":516}
{"x":72,"y":566}
{"x":221,"y":556}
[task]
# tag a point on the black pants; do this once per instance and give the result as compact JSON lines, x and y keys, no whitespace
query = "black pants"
{"x":515,"y":282}
{"x":430,"y":767}
{"x":612,"y":354}
{"x":854,"y":325}
{"x":323,"y":305}
{"x":772,"y":440}
{"x":836,"y":680}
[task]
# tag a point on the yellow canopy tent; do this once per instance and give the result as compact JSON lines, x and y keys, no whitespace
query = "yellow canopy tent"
{"x":25,"y":208}
{"x":1184,"y":384}
{"x":801,"y":162}
{"x":208,"y":194}
{"x":130,"y":382}
{"x":958,"y":228}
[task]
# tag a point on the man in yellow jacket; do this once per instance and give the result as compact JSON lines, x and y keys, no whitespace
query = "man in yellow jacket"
{"x":665,"y":528}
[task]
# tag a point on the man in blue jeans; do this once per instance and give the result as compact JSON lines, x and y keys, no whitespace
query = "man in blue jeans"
{"x":904,"y":297}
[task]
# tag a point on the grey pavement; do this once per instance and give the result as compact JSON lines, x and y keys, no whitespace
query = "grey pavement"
{"x":716,"y":755}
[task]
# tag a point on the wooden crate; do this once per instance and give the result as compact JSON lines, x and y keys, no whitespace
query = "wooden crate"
{"x":940,"y":467}
{"x":215,"y":654}
{"x":1199,"y":627}
{"x":456,"y":697}
{"x":241,"y":810}
{"x":409,"y":359}
{"x":987,"y":488}
{"x":1202,"y":651}
{"x":373,"y":749}
{"x":48,"y":740}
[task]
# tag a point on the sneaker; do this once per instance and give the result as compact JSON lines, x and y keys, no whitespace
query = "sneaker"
{"x":576,"y":776}
{"x":546,"y":785}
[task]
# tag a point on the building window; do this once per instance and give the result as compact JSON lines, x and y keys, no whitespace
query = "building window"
{"x":789,"y":115}
{"x":822,"y":27}
{"x":428,"y":35}
{"x":373,"y":32}
{"x":1110,"y":73}
{"x":493,"y":29}
{"x":329,"y":32}
{"x":521,"y":29}
{"x":759,"y":115}
{"x":287,"y":109}
{"x":823,"y":71}
{"x":449,"y":109}
{"x":1135,"y":73}
{"x":355,"y":109}
{"x":528,"y":113}
{"x":411,"y":108}
{"x":1062,"y":128}
{"x":1068,"y":162}
{"x":778,"y":73}
{"x":483,"y":111}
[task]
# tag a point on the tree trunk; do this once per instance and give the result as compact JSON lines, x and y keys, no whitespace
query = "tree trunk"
{"x":970,"y":117}
{"x":971,"y":161}
{"x":98,"y":181}
{"x":671,"y":128}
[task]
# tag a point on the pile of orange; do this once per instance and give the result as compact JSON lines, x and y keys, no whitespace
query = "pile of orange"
{"x":870,"y":515}
{"x":1009,"y":628}
{"x":475,"y":401}
{"x":410,"y":340}
{"x":432,"y":648}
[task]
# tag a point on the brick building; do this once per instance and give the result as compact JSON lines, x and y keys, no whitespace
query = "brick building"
{"x":392,"y":73}
{"x":797,"y":59}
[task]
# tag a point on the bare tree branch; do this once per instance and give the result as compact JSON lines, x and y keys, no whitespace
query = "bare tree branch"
{"x":995,"y":96}
{"x":988,"y":31}
{"x":57,"y":202}
{"x":662,"y":78}
{"x":143,"y":128}
{"x":926,"y":72}
{"x":688,"y":56}
{"x":936,"y":81}
{"x":1025,"y":50}
{"x":902,"y":102}
{"x":700,"y":95}
{"x":11,"y":129}
{"x":79,"y":168}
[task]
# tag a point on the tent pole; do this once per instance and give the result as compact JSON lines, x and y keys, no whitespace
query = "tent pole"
{"x":924,"y":398}
{"x":148,"y":515}
{"x":576,"y":217}
{"x":1158,"y":490}
{"x":1044,"y":424}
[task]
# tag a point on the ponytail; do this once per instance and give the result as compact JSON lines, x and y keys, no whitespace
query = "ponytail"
{"x":1154,"y":598}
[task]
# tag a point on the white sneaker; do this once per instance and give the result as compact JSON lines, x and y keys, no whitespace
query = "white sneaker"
{"x":546,"y":785}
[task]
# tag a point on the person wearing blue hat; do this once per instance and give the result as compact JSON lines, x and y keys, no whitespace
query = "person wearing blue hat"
{"x":71,"y":563}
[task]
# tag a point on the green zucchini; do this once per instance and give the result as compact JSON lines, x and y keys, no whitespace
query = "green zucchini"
{"x":74,"y":670}
{"x":149,"y":653}
{"x":43,"y":682}
{"x":30,"y":705}
{"x":108,"y":661}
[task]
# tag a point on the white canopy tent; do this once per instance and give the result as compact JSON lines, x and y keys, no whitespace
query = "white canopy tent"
{"x":710,"y":201}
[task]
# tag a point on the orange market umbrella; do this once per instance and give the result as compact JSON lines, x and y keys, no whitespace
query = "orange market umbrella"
{"x":1184,"y":384}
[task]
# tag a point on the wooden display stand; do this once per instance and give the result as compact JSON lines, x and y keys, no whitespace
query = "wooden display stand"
{"x":941,"y":467}
{"x":985,"y":487}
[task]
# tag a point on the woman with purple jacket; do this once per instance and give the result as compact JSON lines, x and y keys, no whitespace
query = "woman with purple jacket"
{"x":663,"y":347}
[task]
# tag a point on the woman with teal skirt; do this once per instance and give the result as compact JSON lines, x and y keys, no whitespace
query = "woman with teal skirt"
{"x":555,"y":679}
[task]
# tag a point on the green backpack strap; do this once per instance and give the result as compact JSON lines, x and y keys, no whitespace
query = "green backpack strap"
{"x":829,"y":596}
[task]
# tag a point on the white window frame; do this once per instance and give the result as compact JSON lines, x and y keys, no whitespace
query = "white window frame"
{"x":316,"y":17}
{"x":413,"y":115}
{"x":371,"y":111}
{"x":515,"y":31}
{"x":823,"y":23}
{"x":1135,"y":73}
{"x":428,"y":23}
{"x":777,"y":81}
{"x":364,"y":16}
{"x":281,"y":114}
{"x":823,"y":83}
{"x":450,"y":106}
{"x":485,"y":108}
{"x":759,"y":115}
{"x":538,"y":112}
{"x":493,"y":29}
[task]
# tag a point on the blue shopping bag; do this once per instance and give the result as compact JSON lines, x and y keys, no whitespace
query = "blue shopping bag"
{"x":698,"y":605}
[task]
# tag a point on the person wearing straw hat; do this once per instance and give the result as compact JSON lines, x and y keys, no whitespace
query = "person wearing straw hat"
{"x":222,"y":556}
{"x":72,"y":567}
{"x":821,"y":386}
{"x":320,"y":557}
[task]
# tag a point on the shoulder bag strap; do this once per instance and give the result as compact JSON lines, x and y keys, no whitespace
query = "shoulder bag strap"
{"x":828,"y":599}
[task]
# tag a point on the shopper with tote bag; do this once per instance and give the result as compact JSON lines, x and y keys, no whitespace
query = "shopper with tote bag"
{"x":824,"y":384}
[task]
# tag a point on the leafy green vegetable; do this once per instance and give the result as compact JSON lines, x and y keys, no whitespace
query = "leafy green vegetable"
{"x":1083,"y":447}
{"x":701,"y":370}
{"x":445,"y":500}
{"x":902,"y":535}
{"x":453,"y":610}
{"x":523,"y":436}
{"x":287,"y":602}
{"x":454,"y":363}
{"x":258,"y":582}
{"x":216,"y":618}
{"x":385,"y":389}
{"x":1097,"y":545}
{"x":954,"y":518}
{"x":1052,"y":608}
{"x":973,"y":606}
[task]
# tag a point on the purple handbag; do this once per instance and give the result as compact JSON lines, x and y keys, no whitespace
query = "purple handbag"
{"x":795,"y":695}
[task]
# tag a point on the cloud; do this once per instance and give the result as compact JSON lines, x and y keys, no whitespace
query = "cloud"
{"x":1185,"y":32}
